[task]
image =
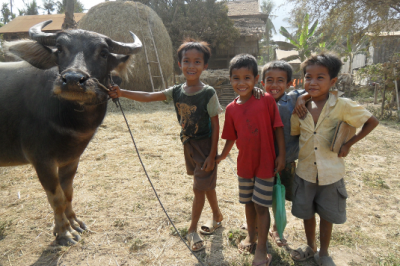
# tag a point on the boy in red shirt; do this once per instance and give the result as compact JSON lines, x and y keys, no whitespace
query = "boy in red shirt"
{"x":253,"y":124}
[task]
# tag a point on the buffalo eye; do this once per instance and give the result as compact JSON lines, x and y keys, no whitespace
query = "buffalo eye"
{"x":104,"y":54}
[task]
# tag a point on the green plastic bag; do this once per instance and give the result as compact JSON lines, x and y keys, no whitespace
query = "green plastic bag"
{"x":278,"y":206}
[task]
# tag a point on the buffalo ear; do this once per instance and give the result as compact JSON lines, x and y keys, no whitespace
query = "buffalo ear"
{"x":32,"y":52}
{"x":120,"y":64}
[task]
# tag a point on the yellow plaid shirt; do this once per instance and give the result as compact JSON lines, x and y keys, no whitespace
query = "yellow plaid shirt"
{"x":315,"y":157}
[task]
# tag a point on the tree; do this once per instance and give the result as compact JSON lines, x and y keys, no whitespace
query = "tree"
{"x":32,"y":8}
{"x":6,"y":14}
{"x":49,"y":6}
{"x":357,"y":16}
{"x":304,"y":40}
{"x":200,"y":19}
{"x":353,"y":48}
{"x":69,"y":21}
{"x":266,"y":46}
{"x":61,"y":6}
{"x":384,"y":74}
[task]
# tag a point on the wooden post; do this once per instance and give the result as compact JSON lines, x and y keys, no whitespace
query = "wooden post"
{"x":383,"y":97}
{"x":376,"y":93}
{"x":395,"y":87}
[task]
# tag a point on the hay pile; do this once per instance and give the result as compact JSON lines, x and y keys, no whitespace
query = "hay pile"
{"x":116,"y":19}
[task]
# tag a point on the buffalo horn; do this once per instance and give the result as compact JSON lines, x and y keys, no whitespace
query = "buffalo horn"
{"x":126,"y":48}
{"x":36,"y":34}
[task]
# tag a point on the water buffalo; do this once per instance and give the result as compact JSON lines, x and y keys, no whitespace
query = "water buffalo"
{"x":51,"y":105}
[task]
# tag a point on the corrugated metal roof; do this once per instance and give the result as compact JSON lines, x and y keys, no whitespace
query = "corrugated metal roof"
{"x":23,"y":23}
{"x":243,"y":8}
{"x":282,"y":54}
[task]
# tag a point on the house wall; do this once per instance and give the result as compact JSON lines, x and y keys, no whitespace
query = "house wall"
{"x":385,"y":49}
{"x":220,"y":58}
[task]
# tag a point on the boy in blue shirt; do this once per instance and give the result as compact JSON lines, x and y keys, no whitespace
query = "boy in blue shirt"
{"x":276,"y":79}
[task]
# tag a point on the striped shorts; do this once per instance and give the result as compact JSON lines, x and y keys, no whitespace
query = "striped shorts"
{"x":256,"y":190}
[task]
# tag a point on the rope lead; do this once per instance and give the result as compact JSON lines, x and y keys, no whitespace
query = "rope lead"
{"x":116,"y":101}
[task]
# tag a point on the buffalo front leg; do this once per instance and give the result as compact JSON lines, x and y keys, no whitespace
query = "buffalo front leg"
{"x":66,"y":175}
{"x":48,"y":176}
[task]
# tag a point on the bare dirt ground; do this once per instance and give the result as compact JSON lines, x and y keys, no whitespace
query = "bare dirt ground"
{"x":128,"y":227}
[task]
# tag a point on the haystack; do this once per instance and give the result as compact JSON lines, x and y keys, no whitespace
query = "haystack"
{"x":116,"y":19}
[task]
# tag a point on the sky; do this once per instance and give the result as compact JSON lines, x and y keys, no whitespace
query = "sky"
{"x":281,"y":11}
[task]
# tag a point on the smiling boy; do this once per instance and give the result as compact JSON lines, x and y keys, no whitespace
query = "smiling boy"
{"x":276,"y":79}
{"x":253,"y":124}
{"x":318,"y":185}
{"x":197,"y":109}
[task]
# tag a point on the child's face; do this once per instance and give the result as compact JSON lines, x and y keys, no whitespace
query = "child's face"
{"x":317,"y":82}
{"x":192,"y":64}
{"x":243,"y":81}
{"x":275,"y":83}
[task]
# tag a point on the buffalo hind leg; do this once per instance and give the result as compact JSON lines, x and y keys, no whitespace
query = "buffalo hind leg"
{"x":48,"y":176}
{"x":66,"y":175}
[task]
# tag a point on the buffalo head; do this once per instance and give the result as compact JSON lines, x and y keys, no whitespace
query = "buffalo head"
{"x":83,"y":59}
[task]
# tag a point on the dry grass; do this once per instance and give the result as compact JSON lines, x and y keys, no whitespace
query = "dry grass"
{"x":116,"y":19}
{"x":114,"y":198}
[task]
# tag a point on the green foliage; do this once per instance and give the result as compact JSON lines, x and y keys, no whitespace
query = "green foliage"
{"x":235,"y":236}
{"x":61,"y":5}
{"x":49,"y":6}
{"x":382,"y":72}
{"x":182,"y":231}
{"x":355,"y":16}
{"x":304,"y":40}
{"x":205,"y":20}
{"x":6,"y":15}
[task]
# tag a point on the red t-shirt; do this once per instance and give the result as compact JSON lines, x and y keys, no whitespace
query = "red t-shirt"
{"x":252,"y":126}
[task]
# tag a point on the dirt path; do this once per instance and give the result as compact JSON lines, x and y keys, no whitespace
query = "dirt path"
{"x":114,"y":198}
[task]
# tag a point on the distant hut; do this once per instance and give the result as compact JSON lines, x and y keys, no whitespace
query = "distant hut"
{"x":116,"y":19}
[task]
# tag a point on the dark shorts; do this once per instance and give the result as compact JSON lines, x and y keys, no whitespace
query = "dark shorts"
{"x":328,"y":201}
{"x":196,"y":152}
{"x":287,"y":177}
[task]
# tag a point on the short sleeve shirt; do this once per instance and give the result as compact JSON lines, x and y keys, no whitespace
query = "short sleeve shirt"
{"x":252,"y":125}
{"x":286,"y":106}
{"x":315,"y":157}
{"x":194,"y":110}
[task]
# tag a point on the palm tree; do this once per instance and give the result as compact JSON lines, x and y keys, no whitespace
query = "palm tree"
{"x":49,"y":6}
{"x":266,"y":8}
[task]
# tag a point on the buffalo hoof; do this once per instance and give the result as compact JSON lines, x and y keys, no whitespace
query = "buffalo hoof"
{"x":77,"y":225}
{"x":68,"y":239}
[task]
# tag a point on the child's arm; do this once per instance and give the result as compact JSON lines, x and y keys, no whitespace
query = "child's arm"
{"x":300,"y":108}
{"x":227,"y":148}
{"x":209,"y":163}
{"x":281,"y":159}
{"x":368,"y":126}
{"x":139,"y":96}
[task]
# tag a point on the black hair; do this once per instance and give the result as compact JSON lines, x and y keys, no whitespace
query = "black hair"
{"x":327,"y":59}
{"x":281,"y":65}
{"x":189,"y":44}
{"x":244,"y":60}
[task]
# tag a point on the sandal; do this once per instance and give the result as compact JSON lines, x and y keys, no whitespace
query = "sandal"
{"x":304,"y":252}
{"x":324,"y":260}
{"x":193,"y":238}
{"x":266,"y":262}
{"x":275,"y":236}
{"x":247,"y":248}
{"x":211,"y":225}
